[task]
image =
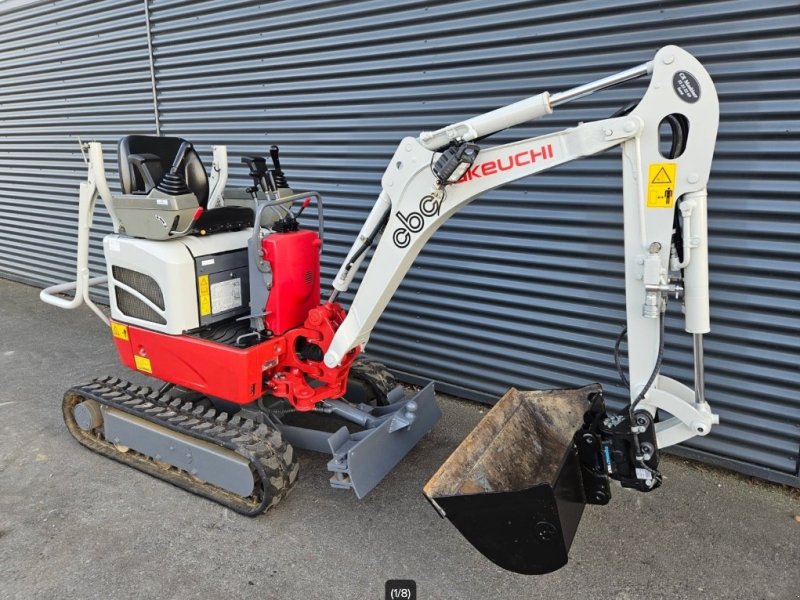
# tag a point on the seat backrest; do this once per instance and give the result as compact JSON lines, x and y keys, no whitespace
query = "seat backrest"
{"x":165,"y":149}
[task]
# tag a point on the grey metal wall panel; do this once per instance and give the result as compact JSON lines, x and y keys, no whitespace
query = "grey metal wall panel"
{"x":525,"y":286}
{"x":69,"y":69}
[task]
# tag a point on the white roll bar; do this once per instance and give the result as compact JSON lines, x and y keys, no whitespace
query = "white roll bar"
{"x":95,"y":185}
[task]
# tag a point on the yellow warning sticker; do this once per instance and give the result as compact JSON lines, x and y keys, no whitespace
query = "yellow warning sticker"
{"x":204,"y":294}
{"x":142,"y":363}
{"x":119,"y":331}
{"x":661,"y":185}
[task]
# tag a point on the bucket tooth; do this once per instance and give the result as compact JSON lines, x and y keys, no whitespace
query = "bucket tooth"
{"x":514,"y":486}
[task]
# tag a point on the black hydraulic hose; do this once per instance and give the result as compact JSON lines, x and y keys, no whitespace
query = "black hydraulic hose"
{"x":620,"y":337}
{"x":656,"y":368}
{"x":368,"y":242}
{"x":625,"y":110}
{"x":678,"y":126}
{"x":277,"y":409}
{"x":363,"y":248}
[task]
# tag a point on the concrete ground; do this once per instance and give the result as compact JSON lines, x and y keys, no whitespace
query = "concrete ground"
{"x":76,"y":525}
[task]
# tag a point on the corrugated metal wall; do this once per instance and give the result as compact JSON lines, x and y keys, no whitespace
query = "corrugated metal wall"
{"x":68,"y":69}
{"x":525,"y":286}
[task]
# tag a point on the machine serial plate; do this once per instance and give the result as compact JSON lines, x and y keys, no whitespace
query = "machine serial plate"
{"x":226,"y":295}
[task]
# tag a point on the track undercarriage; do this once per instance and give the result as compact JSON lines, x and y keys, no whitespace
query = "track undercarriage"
{"x":195,"y":435}
{"x":243,"y":457}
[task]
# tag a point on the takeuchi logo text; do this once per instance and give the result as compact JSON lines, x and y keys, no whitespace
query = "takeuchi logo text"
{"x":411,"y":223}
{"x":512,"y":161}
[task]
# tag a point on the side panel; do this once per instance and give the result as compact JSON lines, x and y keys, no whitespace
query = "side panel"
{"x":294,"y":259}
{"x":232,"y":374}
{"x":168,"y":270}
{"x":222,"y":286}
{"x":164,"y":273}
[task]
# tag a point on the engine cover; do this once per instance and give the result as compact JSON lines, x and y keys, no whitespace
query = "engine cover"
{"x":174,"y":286}
{"x":294,"y":260}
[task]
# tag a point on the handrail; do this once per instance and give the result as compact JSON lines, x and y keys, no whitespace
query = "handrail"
{"x":49,"y":295}
{"x":89,"y":190}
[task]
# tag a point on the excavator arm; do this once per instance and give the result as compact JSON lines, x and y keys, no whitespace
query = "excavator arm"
{"x":415,"y":201}
{"x":517,"y":485}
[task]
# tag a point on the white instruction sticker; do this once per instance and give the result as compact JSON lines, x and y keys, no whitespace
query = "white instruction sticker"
{"x":226,"y":295}
{"x":643,"y":474}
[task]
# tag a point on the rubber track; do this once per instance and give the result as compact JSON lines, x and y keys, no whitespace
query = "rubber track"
{"x":376,"y":375}
{"x":271,"y":459}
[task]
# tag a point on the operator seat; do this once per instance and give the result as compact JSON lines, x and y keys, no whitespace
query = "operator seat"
{"x":145,"y":159}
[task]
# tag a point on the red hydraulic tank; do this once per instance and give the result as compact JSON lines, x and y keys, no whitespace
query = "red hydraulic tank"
{"x":294,"y":260}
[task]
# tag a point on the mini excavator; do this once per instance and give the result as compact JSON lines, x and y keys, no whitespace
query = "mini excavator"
{"x":214,"y":293}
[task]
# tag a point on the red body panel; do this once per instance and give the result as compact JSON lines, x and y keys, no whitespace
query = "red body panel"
{"x":294,"y":260}
{"x":233,"y":374}
{"x":242,"y":375}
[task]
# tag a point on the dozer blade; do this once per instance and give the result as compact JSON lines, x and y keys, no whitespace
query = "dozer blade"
{"x":514,"y":487}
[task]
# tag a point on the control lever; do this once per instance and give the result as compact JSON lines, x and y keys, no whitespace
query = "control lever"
{"x":179,"y":155}
{"x":258,"y":171}
{"x":277,"y":173}
{"x":303,"y":206}
{"x":173,"y":183}
{"x":289,"y":222}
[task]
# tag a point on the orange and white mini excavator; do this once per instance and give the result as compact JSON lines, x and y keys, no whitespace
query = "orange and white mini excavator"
{"x":214,"y":292}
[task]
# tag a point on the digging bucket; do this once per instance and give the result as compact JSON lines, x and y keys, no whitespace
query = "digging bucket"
{"x":516,"y":487}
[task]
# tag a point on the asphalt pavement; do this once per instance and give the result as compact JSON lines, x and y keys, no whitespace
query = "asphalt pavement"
{"x":76,"y":525}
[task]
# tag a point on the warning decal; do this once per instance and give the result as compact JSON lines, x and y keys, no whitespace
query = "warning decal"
{"x":661,"y":185}
{"x":142,"y":363}
{"x":661,"y":177}
{"x":119,"y":331}
{"x":204,"y":295}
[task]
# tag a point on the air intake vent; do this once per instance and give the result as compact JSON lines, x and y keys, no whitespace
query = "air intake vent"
{"x":309,"y":278}
{"x":144,"y":284}
{"x":132,"y":306}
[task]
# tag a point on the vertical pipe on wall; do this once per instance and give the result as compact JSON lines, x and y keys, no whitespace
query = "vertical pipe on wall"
{"x":152,"y":65}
